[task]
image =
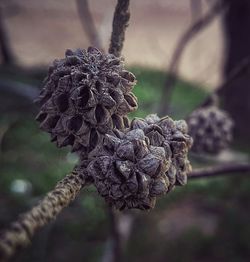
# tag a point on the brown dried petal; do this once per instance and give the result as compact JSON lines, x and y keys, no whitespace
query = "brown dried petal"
{"x":118,"y":122}
{"x":125,"y":151}
{"x":152,"y":119}
{"x":132,"y":100}
{"x":151,"y":165}
{"x":107,"y":101}
{"x":115,"y":192}
{"x":136,"y":134}
{"x":155,"y":138}
{"x":138,"y":123}
{"x":159,"y":186}
{"x":110,"y":143}
{"x":182,"y":126}
{"x":140,"y":149}
{"x":124,"y":167}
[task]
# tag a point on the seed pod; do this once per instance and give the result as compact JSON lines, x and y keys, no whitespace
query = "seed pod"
{"x":128,"y":172}
{"x":172,"y":136}
{"x":85,"y":95}
{"x":211,"y":129}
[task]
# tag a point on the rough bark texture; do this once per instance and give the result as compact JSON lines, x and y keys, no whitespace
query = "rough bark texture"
{"x":236,"y":95}
{"x":120,"y":23}
{"x":21,"y":231}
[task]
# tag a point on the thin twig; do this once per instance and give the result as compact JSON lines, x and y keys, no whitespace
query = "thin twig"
{"x":120,"y":23}
{"x":19,"y":89}
{"x":6,"y":52}
{"x":20,"y":232}
{"x":195,"y":9}
{"x":113,"y":250}
{"x":219,"y":171}
{"x":241,"y":68}
{"x":192,"y":31}
{"x":88,"y":24}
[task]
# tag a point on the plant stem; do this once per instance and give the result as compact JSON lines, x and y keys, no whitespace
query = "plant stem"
{"x":220,"y":170}
{"x":120,"y":23}
{"x":20,"y":232}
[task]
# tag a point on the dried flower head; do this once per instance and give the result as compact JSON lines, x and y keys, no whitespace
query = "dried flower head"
{"x":85,"y":95}
{"x":129,"y":172}
{"x":172,"y":136}
{"x":211,"y":129}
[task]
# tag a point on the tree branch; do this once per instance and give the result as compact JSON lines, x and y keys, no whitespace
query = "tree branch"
{"x":88,"y":23}
{"x":24,"y":90}
{"x":120,"y":23}
{"x":6,"y":52}
{"x":20,"y":232}
{"x":113,"y":250}
{"x":192,"y":31}
{"x":236,"y":73}
{"x":219,"y":171}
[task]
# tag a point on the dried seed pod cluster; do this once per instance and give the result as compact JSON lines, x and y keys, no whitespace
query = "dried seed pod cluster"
{"x":129,"y":172}
{"x":172,"y":136}
{"x":211,"y":129}
{"x":84,"y":104}
{"x":85,"y":95}
{"x":135,"y":166}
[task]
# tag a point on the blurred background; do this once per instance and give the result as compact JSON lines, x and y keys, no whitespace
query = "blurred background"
{"x":207,"y":220}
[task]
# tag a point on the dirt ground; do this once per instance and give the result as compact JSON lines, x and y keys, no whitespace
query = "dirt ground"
{"x":41,"y":30}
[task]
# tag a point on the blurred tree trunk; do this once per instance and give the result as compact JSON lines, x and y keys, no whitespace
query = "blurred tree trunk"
{"x":236,"y":95}
{"x":6,"y":52}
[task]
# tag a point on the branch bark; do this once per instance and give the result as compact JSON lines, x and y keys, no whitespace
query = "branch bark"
{"x":20,"y":232}
{"x":120,"y":23}
{"x":219,"y":171}
{"x":188,"y":35}
{"x":88,"y":24}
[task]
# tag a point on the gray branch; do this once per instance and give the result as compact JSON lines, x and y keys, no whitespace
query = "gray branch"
{"x":219,"y":171}
{"x":120,"y":23}
{"x":188,"y":35}
{"x":88,"y":24}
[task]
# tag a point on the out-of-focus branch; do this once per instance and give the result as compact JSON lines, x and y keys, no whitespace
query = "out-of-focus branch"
{"x":219,"y":171}
{"x":237,"y":72}
{"x":19,"y":89}
{"x":113,"y":251}
{"x":188,"y":35}
{"x":121,"y":227}
{"x":6,"y":52}
{"x":196,"y":9}
{"x":88,"y":23}
{"x":120,"y":23}
{"x":20,"y":232}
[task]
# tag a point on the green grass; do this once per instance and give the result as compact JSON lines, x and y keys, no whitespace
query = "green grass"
{"x":150,"y":83}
